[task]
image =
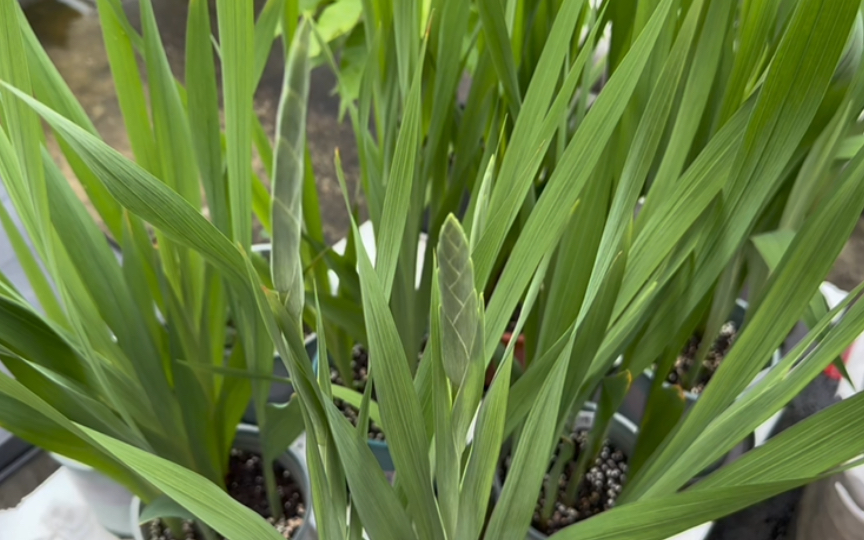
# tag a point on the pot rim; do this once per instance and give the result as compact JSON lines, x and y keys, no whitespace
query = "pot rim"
{"x":70,"y":463}
{"x":288,"y":458}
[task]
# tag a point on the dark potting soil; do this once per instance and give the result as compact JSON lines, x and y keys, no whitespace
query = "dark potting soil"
{"x":717,"y":352}
{"x":598,"y":491}
{"x":360,"y":368}
{"x":246,"y":485}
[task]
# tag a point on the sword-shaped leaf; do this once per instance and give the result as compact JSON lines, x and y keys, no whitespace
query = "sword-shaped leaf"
{"x":236,"y":44}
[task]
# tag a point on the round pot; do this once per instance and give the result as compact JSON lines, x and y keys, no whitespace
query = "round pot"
{"x":634,"y":405}
{"x":379,"y":448}
{"x":382,"y":454}
{"x":247,"y":438}
{"x":108,"y":499}
{"x":621,"y":432}
{"x":828,"y":510}
{"x":279,"y":392}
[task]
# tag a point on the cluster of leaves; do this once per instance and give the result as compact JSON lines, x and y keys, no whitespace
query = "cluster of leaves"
{"x":732,"y":132}
{"x":153,"y":348}
{"x":717,"y":125}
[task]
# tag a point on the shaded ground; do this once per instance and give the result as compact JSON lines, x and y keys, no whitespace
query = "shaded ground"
{"x":74,"y":42}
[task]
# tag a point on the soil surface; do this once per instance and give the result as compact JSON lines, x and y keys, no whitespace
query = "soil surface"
{"x":246,"y":485}
{"x":360,"y":367}
{"x":717,"y":352}
{"x":598,"y":491}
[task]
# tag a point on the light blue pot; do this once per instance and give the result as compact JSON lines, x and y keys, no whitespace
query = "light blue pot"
{"x":379,"y":448}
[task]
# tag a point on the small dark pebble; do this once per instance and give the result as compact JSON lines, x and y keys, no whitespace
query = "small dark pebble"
{"x":360,"y":366}
{"x":717,"y":352}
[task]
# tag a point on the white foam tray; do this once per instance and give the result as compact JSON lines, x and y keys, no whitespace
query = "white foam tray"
{"x":55,"y":510}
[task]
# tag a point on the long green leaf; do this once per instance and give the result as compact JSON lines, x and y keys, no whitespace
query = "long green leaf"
{"x":177,"y":165}
{"x":50,"y":88}
{"x":810,"y":447}
{"x":520,"y":161}
{"x":25,"y":256}
{"x":483,"y":460}
{"x":34,"y":420}
{"x":694,"y":97}
{"x":492,"y":16}
{"x":531,"y":457}
{"x":663,"y":517}
{"x":399,"y":405}
{"x":747,"y":414}
{"x":127,"y":82}
{"x":22,"y":127}
{"x":236,"y":30}
{"x":266,"y":28}
{"x":206,"y":500}
{"x":203,"y":111}
{"x":400,"y":184}
{"x":144,"y":195}
{"x":564,"y":186}
{"x":377,"y":504}
{"x":789,"y":292}
{"x":788,"y":100}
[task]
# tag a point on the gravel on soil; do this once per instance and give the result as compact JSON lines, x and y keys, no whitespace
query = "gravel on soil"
{"x":717,"y":352}
{"x":600,"y":487}
{"x":360,"y":368}
{"x":245,"y":484}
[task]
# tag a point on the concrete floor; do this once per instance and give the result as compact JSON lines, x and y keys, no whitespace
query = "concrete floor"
{"x":74,"y":43}
{"x":26,"y":479}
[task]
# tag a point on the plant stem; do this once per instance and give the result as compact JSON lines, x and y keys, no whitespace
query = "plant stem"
{"x":577,"y":473}
{"x":206,"y":532}
{"x":343,"y":360}
{"x":175,"y":525}
{"x":270,"y":488}
{"x":698,"y":366}
{"x":694,"y":372}
{"x":567,"y":449}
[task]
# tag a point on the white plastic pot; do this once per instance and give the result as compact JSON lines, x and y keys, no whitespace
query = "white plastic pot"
{"x":833,"y":507}
{"x":108,"y":499}
{"x":827,"y":510}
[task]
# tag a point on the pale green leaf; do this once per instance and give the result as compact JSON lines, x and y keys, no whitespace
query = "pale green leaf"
{"x":460,"y":341}
{"x":288,"y":177}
